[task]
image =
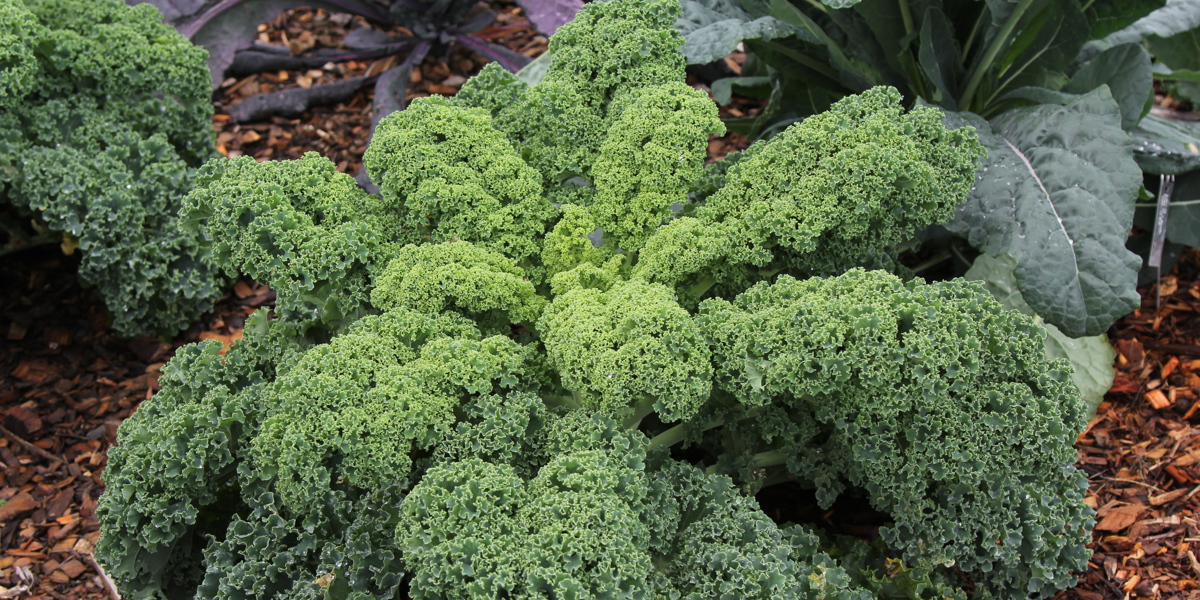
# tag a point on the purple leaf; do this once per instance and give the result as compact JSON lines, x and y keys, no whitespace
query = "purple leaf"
{"x":226,"y":26}
{"x":293,"y":102}
{"x":507,"y":58}
{"x":365,"y":37}
{"x":475,"y":23}
{"x":390,"y":90}
{"x":173,"y":10}
{"x":391,"y":86}
{"x":253,"y":60}
{"x":548,"y":15}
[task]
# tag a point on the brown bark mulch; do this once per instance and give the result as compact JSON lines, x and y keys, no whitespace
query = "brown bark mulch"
{"x":66,"y":381}
{"x":1142,"y":450}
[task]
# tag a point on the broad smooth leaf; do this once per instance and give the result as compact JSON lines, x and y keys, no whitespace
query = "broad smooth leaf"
{"x":1166,"y":73}
{"x":1180,"y":53}
{"x":1166,"y":146}
{"x":1176,"y":17}
{"x":722,"y":89}
{"x":855,"y":75}
{"x":713,"y":28}
{"x":1039,"y":95}
{"x":1044,"y":51}
{"x":1109,"y":16}
{"x":1125,"y":69}
{"x":1056,"y":193}
{"x":1091,"y":356}
{"x":534,"y":72}
{"x":548,"y":15}
{"x":227,"y":26}
{"x":938,"y":57}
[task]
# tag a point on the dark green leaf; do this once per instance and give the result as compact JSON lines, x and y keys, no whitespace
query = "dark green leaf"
{"x":713,"y":28}
{"x":1162,"y":71}
{"x":939,"y":57}
{"x":1056,"y":193}
{"x":1176,"y":17}
{"x":1108,"y":16}
{"x":1180,"y":54}
{"x":1049,"y":41}
{"x":1126,"y":71}
{"x":851,"y":70}
{"x":722,"y":89}
{"x":1166,"y":147}
{"x":1038,"y":95}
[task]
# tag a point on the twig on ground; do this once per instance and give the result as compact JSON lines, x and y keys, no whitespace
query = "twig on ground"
{"x":30,"y":447}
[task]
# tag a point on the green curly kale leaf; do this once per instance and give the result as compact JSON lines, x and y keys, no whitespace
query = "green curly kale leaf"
{"x":299,"y":226}
{"x":558,"y":354}
{"x":450,"y":175}
{"x":104,"y":114}
{"x":171,"y":478}
{"x":459,"y":277}
{"x":915,"y":393}
{"x":840,"y":189}
{"x":631,"y":348}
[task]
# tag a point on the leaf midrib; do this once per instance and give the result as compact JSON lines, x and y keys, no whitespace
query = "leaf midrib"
{"x":1053,"y":209}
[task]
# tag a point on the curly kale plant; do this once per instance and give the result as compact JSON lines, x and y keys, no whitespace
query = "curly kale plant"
{"x":104,"y":116}
{"x":558,"y":354}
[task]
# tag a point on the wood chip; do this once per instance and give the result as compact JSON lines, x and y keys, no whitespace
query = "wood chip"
{"x":1169,"y":367}
{"x":1157,"y":399}
{"x":16,"y":331}
{"x":17,"y":506}
{"x":1120,"y":518}
{"x":1167,"y":497}
{"x":73,"y":568}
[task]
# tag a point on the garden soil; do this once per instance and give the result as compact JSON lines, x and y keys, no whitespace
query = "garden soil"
{"x":67,"y":381}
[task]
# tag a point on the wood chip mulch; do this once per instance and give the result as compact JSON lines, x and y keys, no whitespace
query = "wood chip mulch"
{"x":66,"y":383}
{"x":1142,"y":450}
{"x":340,"y":132}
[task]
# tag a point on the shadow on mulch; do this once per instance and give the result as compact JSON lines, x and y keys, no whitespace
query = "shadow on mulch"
{"x":68,"y":382}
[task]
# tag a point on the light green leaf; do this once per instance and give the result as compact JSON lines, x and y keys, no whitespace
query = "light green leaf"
{"x":1125,"y":69}
{"x":1056,"y":193}
{"x":533,"y":73}
{"x":1165,"y":146}
{"x":1162,"y":71}
{"x":722,"y":89}
{"x":1091,"y":356}
{"x":713,"y":28}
